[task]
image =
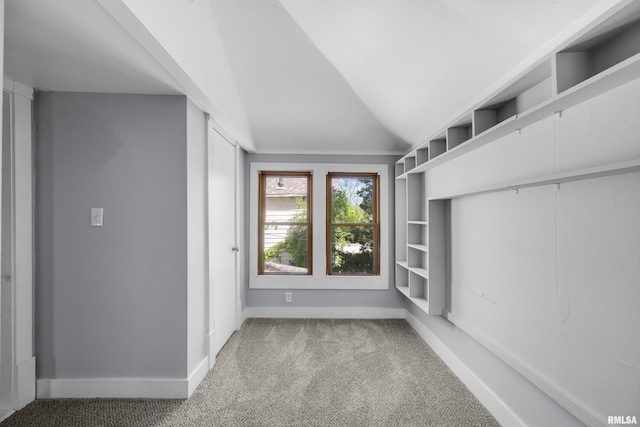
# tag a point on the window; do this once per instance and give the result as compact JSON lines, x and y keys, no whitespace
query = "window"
{"x":295,"y":244}
{"x":285,"y":223}
{"x":353,"y":226}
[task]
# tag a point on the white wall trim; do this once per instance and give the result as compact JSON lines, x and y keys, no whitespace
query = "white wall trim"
{"x":319,"y":279}
{"x":325,"y":312}
{"x":122,"y":388}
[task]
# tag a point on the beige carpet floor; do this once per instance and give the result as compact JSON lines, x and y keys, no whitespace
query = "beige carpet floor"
{"x":284,"y":372}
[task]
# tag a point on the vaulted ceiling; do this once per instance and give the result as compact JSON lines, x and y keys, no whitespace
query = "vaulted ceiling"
{"x":313,"y":76}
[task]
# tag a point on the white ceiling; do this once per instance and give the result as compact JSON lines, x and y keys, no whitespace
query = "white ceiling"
{"x":316,"y":76}
{"x":75,"y":45}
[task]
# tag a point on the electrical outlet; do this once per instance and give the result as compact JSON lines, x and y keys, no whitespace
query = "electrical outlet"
{"x":287,"y":297}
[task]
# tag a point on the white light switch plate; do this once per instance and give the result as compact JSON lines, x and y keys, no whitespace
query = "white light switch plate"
{"x":96,"y":217}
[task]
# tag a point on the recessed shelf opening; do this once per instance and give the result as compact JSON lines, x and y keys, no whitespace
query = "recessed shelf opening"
{"x":417,"y":259}
{"x":422,"y":155}
{"x":417,"y":234}
{"x":416,"y":210}
{"x":456,"y":135}
{"x":417,"y":286}
{"x":409,"y":163}
{"x":437,"y":147}
{"x":402,"y":276}
{"x":488,"y":117}
{"x":586,"y":59}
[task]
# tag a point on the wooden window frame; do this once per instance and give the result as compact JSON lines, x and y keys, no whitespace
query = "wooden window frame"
{"x":262,"y":213}
{"x":375,"y":223}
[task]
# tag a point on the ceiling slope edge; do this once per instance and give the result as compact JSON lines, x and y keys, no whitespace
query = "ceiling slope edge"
{"x":295,"y":99}
{"x":125,"y":17}
{"x":400,"y":142}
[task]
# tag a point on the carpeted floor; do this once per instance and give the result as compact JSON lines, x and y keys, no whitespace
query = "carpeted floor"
{"x":283,"y":372}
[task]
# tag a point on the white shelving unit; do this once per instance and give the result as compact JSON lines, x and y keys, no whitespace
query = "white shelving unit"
{"x":419,"y":272}
{"x":605,"y":56}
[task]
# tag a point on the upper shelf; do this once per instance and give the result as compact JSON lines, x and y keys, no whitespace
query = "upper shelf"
{"x":606,"y":57}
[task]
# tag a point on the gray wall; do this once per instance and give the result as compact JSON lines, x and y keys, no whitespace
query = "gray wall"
{"x":197,"y":267}
{"x":111,"y":301}
{"x":390,"y":298}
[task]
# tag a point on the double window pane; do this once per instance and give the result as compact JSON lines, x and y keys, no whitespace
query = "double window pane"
{"x":285,"y":223}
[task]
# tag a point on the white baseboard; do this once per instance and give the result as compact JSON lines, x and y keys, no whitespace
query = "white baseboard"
{"x":212,"y":349}
{"x":563,"y":398}
{"x":5,"y":413}
{"x":197,"y":376}
{"x":25,"y":379}
{"x":498,"y":408}
{"x":122,"y":388}
{"x":325,"y":312}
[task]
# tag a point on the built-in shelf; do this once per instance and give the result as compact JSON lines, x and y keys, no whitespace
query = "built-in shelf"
{"x":595,"y":53}
{"x":418,"y":286}
{"x":399,"y":168}
{"x":605,"y":57}
{"x":488,"y":117}
{"x":422,"y":155}
{"x":402,"y":276}
{"x":416,"y":258}
{"x":422,"y":248}
{"x":601,"y":57}
{"x":437,"y":147}
{"x":417,"y":234}
{"x":555,"y":179}
{"x":416,"y":203}
{"x":422,"y":272}
{"x":458,"y":134}
{"x":409,"y":163}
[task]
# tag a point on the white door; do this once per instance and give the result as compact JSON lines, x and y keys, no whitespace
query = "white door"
{"x":222,"y":240}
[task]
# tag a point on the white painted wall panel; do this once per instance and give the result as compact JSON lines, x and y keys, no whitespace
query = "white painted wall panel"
{"x":599,"y":272}
{"x":514,"y":157}
{"x":503,"y":276}
{"x":602,"y":130}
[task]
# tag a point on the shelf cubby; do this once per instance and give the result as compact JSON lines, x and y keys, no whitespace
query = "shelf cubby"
{"x":409,"y":163}
{"x":418,"y":286}
{"x":437,"y":147}
{"x":399,"y":168}
{"x":402,"y":276}
{"x":416,"y":204}
{"x":422,"y":155}
{"x":598,"y":51}
{"x":527,"y":91}
{"x":458,"y":134}
{"x":416,"y":259}
{"x":417,"y":234}
{"x":488,"y":117}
